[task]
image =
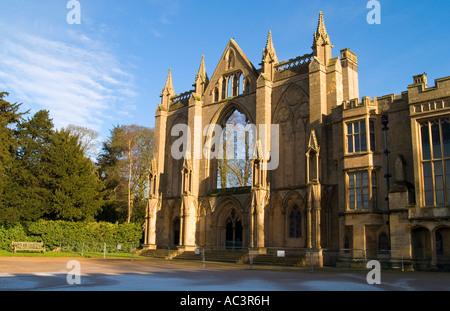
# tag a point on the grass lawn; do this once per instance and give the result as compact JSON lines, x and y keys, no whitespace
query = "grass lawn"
{"x":4,"y":253}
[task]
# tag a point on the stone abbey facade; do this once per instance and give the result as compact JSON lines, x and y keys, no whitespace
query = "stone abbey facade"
{"x":356,"y":179}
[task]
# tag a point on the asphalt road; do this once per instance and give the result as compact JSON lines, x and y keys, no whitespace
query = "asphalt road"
{"x":54,"y":274}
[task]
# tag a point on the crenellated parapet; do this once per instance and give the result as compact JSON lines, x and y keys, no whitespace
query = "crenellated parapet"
{"x":356,"y":103}
{"x":419,"y":92}
{"x":425,"y":100}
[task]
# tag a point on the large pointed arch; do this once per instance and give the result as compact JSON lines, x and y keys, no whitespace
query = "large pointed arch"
{"x":221,"y":115}
{"x":179,"y":118}
{"x":294,"y":95}
{"x":292,"y":105}
{"x":229,"y":221}
{"x":173,"y":166}
{"x":215,"y":166}
{"x":227,"y":109}
{"x":223,"y":203}
{"x":291,"y":112}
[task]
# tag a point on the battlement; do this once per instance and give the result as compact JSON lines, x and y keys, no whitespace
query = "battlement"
{"x":356,"y":103}
{"x":420,"y":92}
{"x":383,"y":102}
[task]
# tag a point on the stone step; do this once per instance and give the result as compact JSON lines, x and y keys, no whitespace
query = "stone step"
{"x":271,"y":260}
{"x":228,"y":257}
{"x":219,"y":256}
{"x":158,"y":253}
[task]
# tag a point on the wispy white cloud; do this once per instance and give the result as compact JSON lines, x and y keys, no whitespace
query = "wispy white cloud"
{"x":79,"y":81}
{"x":156,"y":33}
{"x":165,"y":13}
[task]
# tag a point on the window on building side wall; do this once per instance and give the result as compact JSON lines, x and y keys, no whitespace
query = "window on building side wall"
{"x":435,"y":158}
{"x":362,"y":191}
{"x":359,"y":137}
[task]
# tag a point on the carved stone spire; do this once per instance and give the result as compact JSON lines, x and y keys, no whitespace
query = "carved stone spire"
{"x":269,"y":58}
{"x":322,"y":44}
{"x":269,"y":54}
{"x":321,"y":31}
{"x":201,"y":79}
{"x":168,"y":91}
{"x":168,"y":88}
{"x":202,"y":69}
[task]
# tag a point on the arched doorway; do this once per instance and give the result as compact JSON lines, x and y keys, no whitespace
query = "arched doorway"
{"x":176,"y":231}
{"x":421,"y":247}
{"x":233,"y":233}
{"x":443,"y":248}
{"x":229,"y":225}
{"x":421,"y":244}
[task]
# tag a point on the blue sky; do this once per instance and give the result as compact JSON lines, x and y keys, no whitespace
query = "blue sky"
{"x":111,"y":68}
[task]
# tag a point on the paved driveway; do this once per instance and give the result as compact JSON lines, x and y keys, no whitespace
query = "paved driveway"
{"x":51,"y":274}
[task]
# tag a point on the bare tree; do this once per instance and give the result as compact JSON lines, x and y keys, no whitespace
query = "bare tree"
{"x":234,"y":170}
{"x":88,"y":139}
{"x":136,"y":143}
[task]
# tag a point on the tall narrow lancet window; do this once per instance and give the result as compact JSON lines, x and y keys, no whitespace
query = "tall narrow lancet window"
{"x":216,"y":95}
{"x":229,"y":87}
{"x":241,"y":84}
{"x":295,"y":223}
{"x":224,"y":88}
{"x":234,"y":164}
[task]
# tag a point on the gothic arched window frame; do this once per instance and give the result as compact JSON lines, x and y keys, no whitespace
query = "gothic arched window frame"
{"x":295,"y":222}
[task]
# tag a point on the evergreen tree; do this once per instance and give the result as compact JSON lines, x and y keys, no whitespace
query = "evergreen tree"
{"x":9,"y":118}
{"x":44,"y":174}
{"x":72,"y":180}
{"x":30,"y":172}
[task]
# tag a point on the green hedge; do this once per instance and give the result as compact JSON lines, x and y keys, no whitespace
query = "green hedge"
{"x":72,"y":234}
{"x":17,"y":233}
